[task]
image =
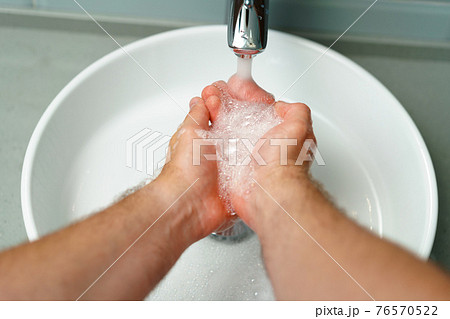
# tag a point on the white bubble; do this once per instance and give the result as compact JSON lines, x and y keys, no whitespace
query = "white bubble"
{"x":236,"y":121}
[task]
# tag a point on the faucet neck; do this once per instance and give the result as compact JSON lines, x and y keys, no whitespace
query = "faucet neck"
{"x":247,"y":26}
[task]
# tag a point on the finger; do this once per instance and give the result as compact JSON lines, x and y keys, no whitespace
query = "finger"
{"x":209,"y":91}
{"x":214,"y":104}
{"x":222,"y":86}
{"x":255,"y":93}
{"x":194,"y":101}
{"x":212,"y":97}
{"x":198,"y":115}
{"x":248,"y":90}
{"x":293,"y":112}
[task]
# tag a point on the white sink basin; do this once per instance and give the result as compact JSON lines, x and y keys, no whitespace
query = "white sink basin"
{"x":377,"y":165}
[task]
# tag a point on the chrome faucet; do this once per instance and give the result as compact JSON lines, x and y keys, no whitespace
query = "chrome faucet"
{"x":247,"y":26}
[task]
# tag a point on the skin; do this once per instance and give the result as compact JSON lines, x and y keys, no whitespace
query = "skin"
{"x":285,"y":199}
{"x":63,"y":265}
{"x":182,"y":206}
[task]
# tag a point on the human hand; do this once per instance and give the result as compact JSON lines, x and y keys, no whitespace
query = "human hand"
{"x":280,"y":168}
{"x":201,"y":201}
{"x":237,"y":88}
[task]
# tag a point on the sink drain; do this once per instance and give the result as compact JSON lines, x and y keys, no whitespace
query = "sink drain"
{"x":236,"y":232}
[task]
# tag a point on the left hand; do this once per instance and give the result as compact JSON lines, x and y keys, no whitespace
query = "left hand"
{"x":202,"y":200}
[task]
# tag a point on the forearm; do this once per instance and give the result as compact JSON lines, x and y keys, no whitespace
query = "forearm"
{"x":299,"y":265}
{"x":63,"y":265}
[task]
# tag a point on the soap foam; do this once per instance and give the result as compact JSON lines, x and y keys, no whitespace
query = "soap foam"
{"x":236,"y":121}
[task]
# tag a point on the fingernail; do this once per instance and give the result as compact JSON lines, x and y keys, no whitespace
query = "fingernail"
{"x":193,"y":102}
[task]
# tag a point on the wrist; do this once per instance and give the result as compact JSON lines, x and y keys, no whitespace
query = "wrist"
{"x":281,"y":183}
{"x":174,"y":216}
{"x":288,"y":204}
{"x":277,"y":192}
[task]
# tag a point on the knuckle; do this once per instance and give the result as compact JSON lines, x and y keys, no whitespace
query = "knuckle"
{"x":307,"y":108}
{"x":303,"y":108}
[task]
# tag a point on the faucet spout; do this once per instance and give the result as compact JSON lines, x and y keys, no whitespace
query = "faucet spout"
{"x":247,"y":26}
